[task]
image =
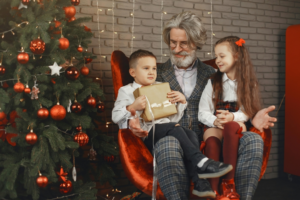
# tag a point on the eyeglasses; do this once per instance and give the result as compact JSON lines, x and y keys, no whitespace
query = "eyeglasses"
{"x":182,"y":45}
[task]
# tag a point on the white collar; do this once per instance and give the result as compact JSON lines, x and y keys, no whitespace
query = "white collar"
{"x":135,"y":85}
{"x":225,"y":78}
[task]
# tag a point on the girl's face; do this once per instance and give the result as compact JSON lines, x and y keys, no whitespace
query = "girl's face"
{"x":224,"y":58}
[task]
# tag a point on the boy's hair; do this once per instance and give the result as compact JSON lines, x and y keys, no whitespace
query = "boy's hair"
{"x":247,"y":84}
{"x":139,"y":54}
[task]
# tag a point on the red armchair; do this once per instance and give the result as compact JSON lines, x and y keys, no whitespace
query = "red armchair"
{"x":136,"y":159}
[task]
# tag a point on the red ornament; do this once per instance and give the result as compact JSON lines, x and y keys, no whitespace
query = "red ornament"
{"x":2,"y":116}
{"x":110,"y":158}
{"x":100,"y":107}
{"x":72,"y":19}
{"x":37,"y":46}
{"x":70,"y":11}
{"x":88,"y":60}
{"x":75,"y":2}
{"x":25,"y":2}
{"x":27,"y":90}
{"x":5,"y":85}
{"x":64,"y":43}
{"x":19,"y":87}
{"x":79,"y":128}
{"x":43,"y":113}
{"x":87,"y":29}
{"x":56,"y":25}
{"x":23,"y":58}
{"x":42,"y":181}
{"x":84,"y":70}
{"x":8,"y":136}
{"x":65,"y":187}
{"x":81,"y":138}
{"x":31,"y":138}
{"x":2,"y":70}
{"x":72,"y":73}
{"x":76,"y":107}
{"x":53,"y":80}
{"x":40,"y":1}
{"x":62,"y":174}
{"x":80,"y":49}
{"x":58,"y":112}
{"x":91,"y":101}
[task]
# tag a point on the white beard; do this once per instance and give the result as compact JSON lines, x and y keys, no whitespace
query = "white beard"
{"x":183,"y":62}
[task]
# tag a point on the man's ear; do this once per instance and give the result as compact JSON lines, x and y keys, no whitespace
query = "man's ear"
{"x":132,"y":72}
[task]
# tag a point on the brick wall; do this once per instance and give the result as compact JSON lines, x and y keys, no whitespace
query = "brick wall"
{"x":262,"y":23}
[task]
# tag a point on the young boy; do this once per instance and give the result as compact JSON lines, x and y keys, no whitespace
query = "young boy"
{"x":142,"y":65}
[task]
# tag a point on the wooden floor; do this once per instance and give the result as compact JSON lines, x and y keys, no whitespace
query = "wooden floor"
{"x":271,"y":189}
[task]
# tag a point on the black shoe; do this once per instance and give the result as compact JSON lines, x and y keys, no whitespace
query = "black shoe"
{"x":213,"y":169}
{"x":202,"y":188}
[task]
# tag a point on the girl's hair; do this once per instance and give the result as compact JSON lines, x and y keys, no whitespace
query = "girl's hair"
{"x":247,"y":84}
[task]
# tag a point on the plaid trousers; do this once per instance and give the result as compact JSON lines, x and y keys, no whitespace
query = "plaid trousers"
{"x":172,"y":174}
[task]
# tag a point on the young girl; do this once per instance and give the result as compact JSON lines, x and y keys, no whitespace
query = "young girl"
{"x":229,"y":99}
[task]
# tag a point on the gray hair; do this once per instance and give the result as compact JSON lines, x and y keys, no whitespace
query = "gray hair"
{"x":188,"y":21}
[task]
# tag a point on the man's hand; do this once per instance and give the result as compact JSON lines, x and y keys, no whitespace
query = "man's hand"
{"x":262,"y":120}
{"x":135,"y":127}
{"x":138,"y":104}
{"x":176,"y":97}
{"x":224,"y":116}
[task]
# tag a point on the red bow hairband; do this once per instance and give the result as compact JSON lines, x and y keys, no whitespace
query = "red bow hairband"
{"x":240,"y":42}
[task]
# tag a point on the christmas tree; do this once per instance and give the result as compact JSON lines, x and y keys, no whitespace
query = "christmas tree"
{"x":49,"y":107}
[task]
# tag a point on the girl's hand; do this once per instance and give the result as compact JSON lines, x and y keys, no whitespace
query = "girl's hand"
{"x":218,"y":124}
{"x":176,"y":97}
{"x":224,"y":116}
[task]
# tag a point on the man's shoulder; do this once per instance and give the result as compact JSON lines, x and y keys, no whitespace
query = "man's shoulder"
{"x":206,"y":68}
{"x":164,"y":66}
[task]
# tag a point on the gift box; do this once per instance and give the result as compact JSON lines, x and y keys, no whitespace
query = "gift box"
{"x":158,"y":101}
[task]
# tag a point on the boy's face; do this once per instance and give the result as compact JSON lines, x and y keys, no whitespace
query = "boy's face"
{"x":145,"y":71}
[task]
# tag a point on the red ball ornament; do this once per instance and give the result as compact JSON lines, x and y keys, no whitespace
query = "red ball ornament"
{"x":31,"y":138}
{"x":56,"y":25}
{"x":65,"y":187}
{"x":76,"y":107}
{"x":27,"y":90}
{"x":100,"y":107}
{"x":72,"y":73}
{"x":72,"y":19}
{"x":87,"y":29}
{"x":91,"y":101}
{"x":25,"y":2}
{"x":42,"y":181}
{"x":110,"y":158}
{"x":75,"y":2}
{"x":2,"y":70}
{"x":70,"y":11}
{"x":58,"y":112}
{"x":84,"y":70}
{"x":5,"y":85}
{"x":78,"y":128}
{"x":80,"y":49}
{"x":64,"y":43}
{"x":81,"y":138}
{"x":37,"y":46}
{"x":2,"y":116}
{"x":88,"y":60}
{"x":19,"y":87}
{"x":43,"y":113}
{"x":23,"y":58}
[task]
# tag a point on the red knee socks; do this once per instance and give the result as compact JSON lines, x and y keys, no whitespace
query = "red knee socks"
{"x":230,"y":146}
{"x":212,"y":150}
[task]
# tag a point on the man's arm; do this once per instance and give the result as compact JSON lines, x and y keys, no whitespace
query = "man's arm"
{"x":262,"y":120}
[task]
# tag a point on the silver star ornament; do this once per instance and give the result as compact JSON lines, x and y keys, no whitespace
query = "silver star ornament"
{"x":22,"y":6}
{"x":55,"y":69}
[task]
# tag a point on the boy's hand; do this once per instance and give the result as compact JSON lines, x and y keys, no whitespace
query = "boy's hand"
{"x":135,"y":127}
{"x":224,"y":116}
{"x":138,"y":104}
{"x":176,"y":97}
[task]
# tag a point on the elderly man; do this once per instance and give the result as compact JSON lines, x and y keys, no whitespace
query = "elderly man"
{"x":184,"y":34}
